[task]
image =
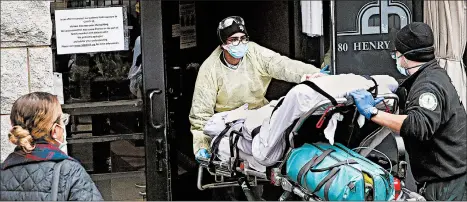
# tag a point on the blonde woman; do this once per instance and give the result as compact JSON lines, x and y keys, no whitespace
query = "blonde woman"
{"x":38,"y":169}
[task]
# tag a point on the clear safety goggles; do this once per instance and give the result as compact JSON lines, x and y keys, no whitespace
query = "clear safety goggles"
{"x":394,"y":54}
{"x":65,"y":118}
{"x":230,"y":20}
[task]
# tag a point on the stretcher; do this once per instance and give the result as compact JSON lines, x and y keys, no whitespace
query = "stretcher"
{"x":237,"y":172}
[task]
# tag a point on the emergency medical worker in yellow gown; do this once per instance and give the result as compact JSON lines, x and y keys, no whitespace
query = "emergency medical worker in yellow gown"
{"x":238,"y":72}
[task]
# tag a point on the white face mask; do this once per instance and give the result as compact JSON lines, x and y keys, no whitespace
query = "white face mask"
{"x":401,"y":70}
{"x":237,"y":51}
{"x":63,"y":145}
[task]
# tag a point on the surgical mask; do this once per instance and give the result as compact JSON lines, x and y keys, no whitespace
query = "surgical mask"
{"x":401,"y":70}
{"x":237,"y":51}
{"x":63,"y":145}
{"x":405,"y":71}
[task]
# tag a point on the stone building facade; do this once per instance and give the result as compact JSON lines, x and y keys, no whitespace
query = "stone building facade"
{"x":26,"y":56}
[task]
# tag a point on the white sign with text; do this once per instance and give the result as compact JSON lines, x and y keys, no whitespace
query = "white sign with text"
{"x":89,"y":30}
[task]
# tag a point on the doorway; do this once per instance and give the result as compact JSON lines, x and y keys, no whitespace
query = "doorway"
{"x":170,"y":71}
{"x":139,"y":146}
{"x":106,"y":132}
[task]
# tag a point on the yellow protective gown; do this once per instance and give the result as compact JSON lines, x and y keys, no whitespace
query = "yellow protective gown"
{"x":219,"y":88}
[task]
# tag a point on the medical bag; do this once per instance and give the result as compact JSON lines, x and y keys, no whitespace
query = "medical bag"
{"x":335,"y":173}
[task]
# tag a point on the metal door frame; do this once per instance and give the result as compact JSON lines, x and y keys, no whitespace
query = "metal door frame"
{"x":158,"y":170}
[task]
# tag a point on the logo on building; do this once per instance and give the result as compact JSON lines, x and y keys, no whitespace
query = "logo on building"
{"x":378,"y":10}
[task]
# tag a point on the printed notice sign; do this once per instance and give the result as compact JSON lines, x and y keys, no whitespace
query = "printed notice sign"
{"x":58,"y":87}
{"x":187,"y":25}
{"x":89,"y":30}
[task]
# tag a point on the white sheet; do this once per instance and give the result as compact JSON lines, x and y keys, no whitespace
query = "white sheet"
{"x":245,"y":121}
{"x":268,"y":146}
{"x":224,"y":153}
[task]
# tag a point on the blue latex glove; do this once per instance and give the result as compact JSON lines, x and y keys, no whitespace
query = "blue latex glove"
{"x":325,"y":70}
{"x":202,"y":153}
{"x":365,"y":102}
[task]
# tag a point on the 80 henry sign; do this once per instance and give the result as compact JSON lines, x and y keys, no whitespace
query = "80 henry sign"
{"x":363,"y":41}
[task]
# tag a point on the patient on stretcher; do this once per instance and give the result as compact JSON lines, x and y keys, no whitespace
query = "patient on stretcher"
{"x":262,"y":142}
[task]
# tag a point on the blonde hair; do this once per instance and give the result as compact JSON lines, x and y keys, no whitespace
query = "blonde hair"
{"x":32,"y":117}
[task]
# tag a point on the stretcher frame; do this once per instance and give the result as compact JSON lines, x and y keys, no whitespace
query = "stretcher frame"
{"x":227,"y":175}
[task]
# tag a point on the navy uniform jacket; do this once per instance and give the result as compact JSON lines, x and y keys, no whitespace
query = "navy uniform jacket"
{"x":435,"y":129}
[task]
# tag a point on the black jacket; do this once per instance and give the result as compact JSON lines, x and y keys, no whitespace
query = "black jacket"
{"x":32,"y":182}
{"x":435,"y":129}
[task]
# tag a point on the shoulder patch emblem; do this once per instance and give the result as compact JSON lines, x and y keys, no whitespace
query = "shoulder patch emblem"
{"x":428,"y":101}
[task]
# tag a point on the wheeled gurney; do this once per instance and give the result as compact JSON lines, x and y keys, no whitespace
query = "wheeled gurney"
{"x":237,"y":172}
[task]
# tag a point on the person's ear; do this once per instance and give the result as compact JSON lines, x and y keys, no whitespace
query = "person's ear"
{"x":54,"y":131}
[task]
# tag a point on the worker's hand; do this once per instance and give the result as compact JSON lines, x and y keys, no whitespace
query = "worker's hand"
{"x":321,"y":73}
{"x":364,"y":102}
{"x":325,"y":70}
{"x":202,"y":154}
{"x":309,"y":77}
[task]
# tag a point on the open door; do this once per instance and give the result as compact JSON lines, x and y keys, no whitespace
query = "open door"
{"x":158,"y":169}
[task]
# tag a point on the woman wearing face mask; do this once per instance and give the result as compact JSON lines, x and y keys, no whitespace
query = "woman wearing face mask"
{"x":238,"y":72}
{"x":432,"y":121}
{"x":38,"y":130}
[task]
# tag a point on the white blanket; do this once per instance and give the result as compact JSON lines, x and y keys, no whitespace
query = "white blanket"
{"x":250,"y":119}
{"x":245,"y":121}
{"x":268,"y":146}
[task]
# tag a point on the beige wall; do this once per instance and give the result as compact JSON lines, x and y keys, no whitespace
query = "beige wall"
{"x":26,"y":56}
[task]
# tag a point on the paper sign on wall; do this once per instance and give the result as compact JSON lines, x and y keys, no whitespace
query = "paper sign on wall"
{"x":89,"y":30}
{"x":187,"y":25}
{"x":58,"y":87}
{"x":175,"y":30}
